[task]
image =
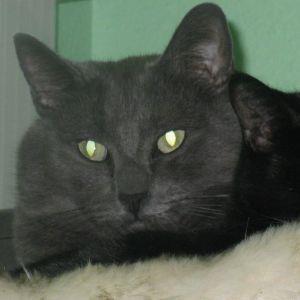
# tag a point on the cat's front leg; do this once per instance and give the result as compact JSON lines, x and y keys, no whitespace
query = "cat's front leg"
{"x":55,"y":265}
{"x":51,"y":266}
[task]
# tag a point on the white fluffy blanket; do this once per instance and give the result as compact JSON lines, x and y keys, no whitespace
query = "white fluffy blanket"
{"x":263,"y":267}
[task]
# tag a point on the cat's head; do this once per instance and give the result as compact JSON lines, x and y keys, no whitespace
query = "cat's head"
{"x":147,"y":140}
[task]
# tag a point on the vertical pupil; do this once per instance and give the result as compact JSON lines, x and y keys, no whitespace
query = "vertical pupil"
{"x":90,"y":148}
{"x":171,"y":138}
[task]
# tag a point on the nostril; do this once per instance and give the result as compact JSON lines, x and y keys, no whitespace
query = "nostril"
{"x":132,"y":202}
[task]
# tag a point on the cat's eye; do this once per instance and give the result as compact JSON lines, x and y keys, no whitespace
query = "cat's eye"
{"x":170,"y":141}
{"x":92,"y":150}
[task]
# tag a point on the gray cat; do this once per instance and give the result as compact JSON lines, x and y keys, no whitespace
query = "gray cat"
{"x":140,"y":157}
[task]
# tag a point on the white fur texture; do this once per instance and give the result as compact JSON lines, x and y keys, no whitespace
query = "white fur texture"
{"x":263,"y":267}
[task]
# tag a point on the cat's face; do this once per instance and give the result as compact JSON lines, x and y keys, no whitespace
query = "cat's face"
{"x":137,"y":183}
{"x":127,"y":107}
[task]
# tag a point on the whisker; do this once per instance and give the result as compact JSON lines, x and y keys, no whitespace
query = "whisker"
{"x":198,"y":199}
{"x":217,"y":196}
{"x":274,"y":218}
{"x":202,"y":210}
{"x":206,"y":216}
{"x":203,"y":213}
{"x":68,"y":211}
{"x":246,"y":230}
{"x":205,"y":209}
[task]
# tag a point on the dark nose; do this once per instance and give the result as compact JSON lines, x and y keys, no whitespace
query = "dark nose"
{"x":133,"y":185}
{"x":132,"y":202}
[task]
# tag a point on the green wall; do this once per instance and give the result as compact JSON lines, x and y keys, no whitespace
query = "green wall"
{"x":266,"y":33}
{"x":74,"y":28}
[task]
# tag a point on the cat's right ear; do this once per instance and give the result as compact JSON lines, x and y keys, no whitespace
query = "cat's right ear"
{"x":48,"y":75}
{"x":200,"y":50}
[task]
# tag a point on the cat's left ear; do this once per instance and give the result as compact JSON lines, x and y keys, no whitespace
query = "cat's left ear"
{"x":201,"y":49}
{"x":261,"y":111}
{"x":49,"y":76}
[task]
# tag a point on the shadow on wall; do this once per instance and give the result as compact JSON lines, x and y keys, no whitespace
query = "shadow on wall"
{"x":238,"y":50}
{"x":71,"y":1}
{"x":73,"y":13}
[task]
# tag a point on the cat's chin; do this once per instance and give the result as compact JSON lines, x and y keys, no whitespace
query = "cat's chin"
{"x":143,"y":223}
{"x":137,"y":225}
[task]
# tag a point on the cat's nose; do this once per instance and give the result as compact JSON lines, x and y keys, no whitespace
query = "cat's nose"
{"x":133,"y":202}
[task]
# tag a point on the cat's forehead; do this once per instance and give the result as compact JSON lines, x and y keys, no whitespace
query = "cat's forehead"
{"x":124,"y":102}
{"x":125,"y":94}
{"x":130,"y":91}
{"x":134,"y":89}
{"x":134,"y":103}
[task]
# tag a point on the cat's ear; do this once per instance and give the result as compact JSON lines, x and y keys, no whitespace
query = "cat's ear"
{"x":48,"y":75}
{"x":201,"y":48}
{"x":261,"y":111}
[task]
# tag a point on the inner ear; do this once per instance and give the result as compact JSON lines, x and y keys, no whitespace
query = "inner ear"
{"x":49,"y":76}
{"x":201,"y":48}
{"x":260,"y":110}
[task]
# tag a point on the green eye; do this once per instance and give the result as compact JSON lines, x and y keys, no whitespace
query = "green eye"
{"x":170,"y":141}
{"x":92,"y":150}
